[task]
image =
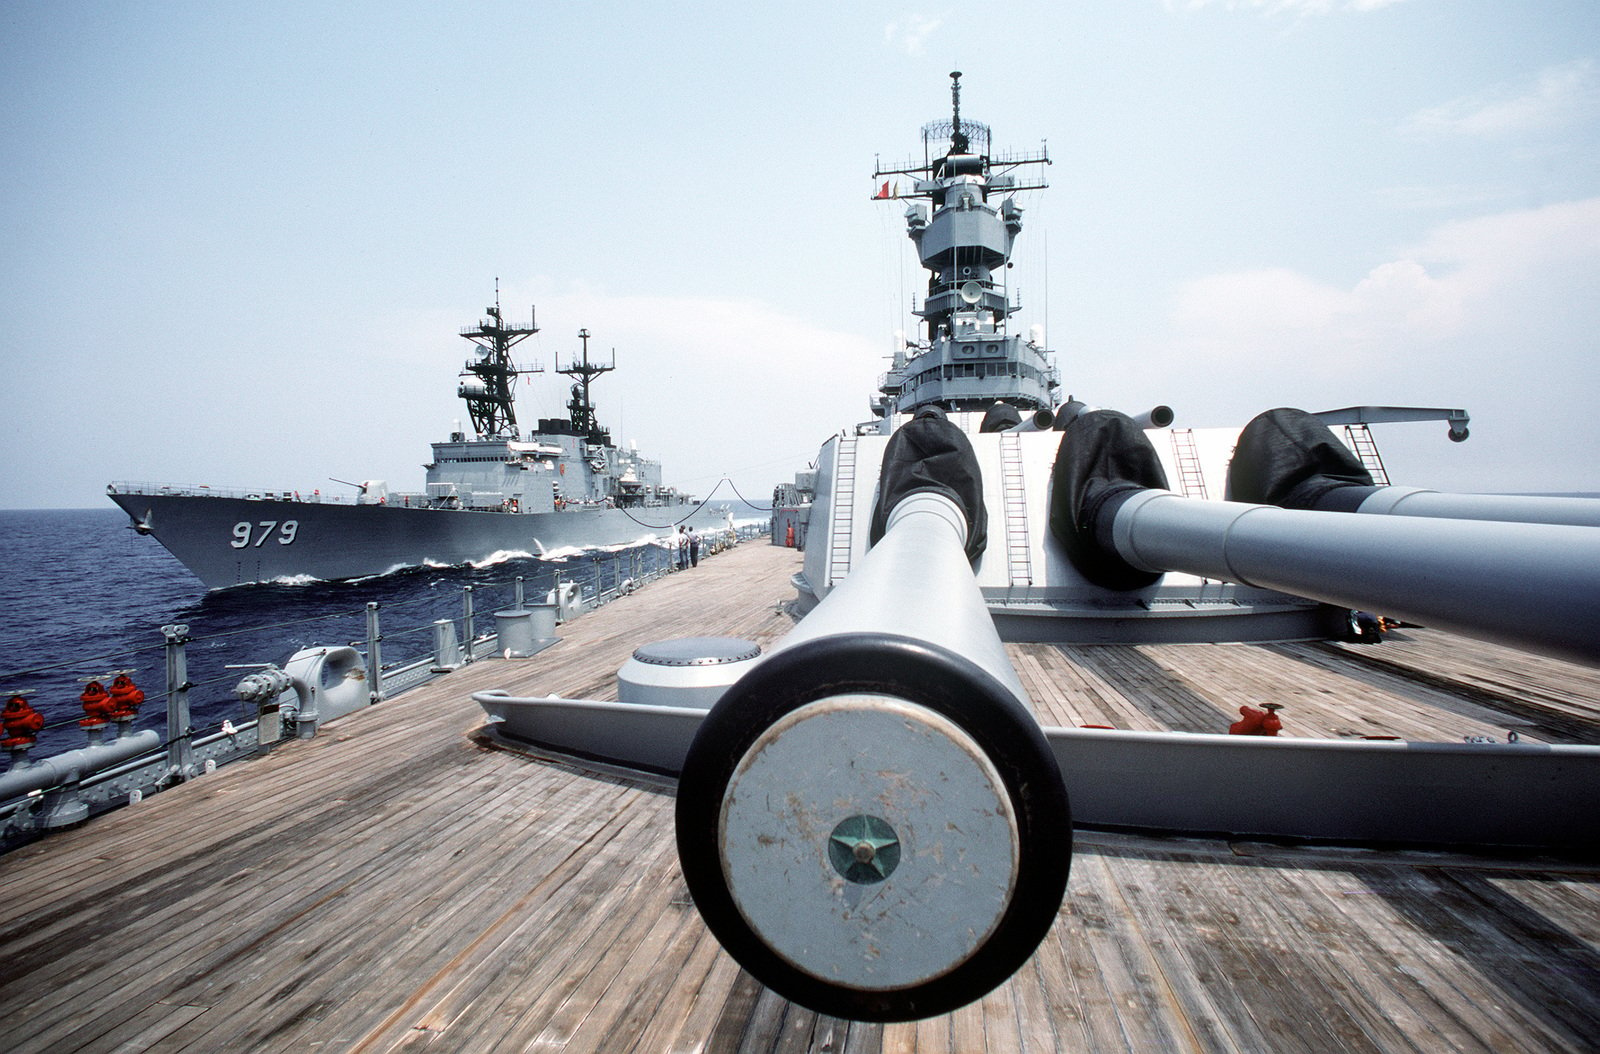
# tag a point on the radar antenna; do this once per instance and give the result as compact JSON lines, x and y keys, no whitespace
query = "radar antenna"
{"x":486,"y":384}
{"x":958,"y":138}
{"x":580,"y":407}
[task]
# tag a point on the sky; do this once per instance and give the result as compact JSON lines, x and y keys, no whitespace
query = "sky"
{"x":240,"y":239}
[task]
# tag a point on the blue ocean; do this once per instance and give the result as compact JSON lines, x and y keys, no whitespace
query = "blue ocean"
{"x":87,"y":597}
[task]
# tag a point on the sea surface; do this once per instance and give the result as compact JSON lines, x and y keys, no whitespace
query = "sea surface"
{"x":85,"y":597}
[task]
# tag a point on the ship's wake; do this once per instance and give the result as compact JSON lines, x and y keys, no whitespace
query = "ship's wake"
{"x":498,"y":558}
{"x":292,"y":580}
{"x":563,"y":553}
{"x":494,"y":559}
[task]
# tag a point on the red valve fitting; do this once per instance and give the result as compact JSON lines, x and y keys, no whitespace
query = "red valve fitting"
{"x":126,"y":698}
{"x":97,"y":705}
{"x":22,"y":723}
{"x":1253,"y":722}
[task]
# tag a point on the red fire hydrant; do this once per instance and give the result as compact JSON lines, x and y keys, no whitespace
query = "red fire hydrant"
{"x":97,"y":705}
{"x":22,"y":723}
{"x":126,"y":698}
{"x":1253,"y":722}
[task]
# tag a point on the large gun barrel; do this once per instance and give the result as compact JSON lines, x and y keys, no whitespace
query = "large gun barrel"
{"x":1493,"y":576}
{"x":1290,"y":458}
{"x":1531,"y":585}
{"x":1511,"y":508}
{"x":870,"y":820}
{"x":916,"y":584}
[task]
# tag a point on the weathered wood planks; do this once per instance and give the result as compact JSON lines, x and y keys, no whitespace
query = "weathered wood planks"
{"x":394,"y":885}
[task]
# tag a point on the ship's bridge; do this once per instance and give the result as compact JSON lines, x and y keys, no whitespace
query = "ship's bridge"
{"x":967,"y":359}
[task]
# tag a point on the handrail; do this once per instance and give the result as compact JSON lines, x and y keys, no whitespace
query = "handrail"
{"x":230,"y":730}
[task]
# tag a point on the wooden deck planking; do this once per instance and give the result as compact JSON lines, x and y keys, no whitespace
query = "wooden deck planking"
{"x":1543,"y":698}
{"x":349,"y":861}
{"x":550,"y":928}
{"x":393,"y":885}
{"x":1496,"y":668}
{"x":168,"y":918}
{"x":1327,"y":691}
{"x":1318,"y":702}
{"x":1068,"y":693}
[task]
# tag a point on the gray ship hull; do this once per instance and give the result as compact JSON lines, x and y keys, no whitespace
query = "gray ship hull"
{"x":227,"y":541}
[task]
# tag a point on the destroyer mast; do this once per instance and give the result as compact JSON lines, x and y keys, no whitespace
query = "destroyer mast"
{"x":486,"y":383}
{"x":580,"y":406}
{"x":967,"y":360}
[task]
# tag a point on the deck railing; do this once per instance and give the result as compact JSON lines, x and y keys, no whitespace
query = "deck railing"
{"x":402,"y":644}
{"x":180,"y":490}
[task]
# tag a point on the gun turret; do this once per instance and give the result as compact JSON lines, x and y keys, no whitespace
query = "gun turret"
{"x":871,"y":820}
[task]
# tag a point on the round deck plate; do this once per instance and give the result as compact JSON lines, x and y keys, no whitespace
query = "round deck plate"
{"x":905,"y":775}
{"x":697,"y":651}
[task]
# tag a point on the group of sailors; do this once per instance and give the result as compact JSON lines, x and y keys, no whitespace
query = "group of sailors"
{"x":688,"y":549}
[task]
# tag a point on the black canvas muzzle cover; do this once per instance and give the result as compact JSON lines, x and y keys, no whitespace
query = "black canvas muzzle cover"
{"x":1104,"y":459}
{"x":928,"y":453}
{"x":1000,"y":417}
{"x":1289,"y":458}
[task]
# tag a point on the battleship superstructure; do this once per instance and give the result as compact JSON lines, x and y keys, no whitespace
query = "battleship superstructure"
{"x":490,"y":493}
{"x":1002,"y":388}
{"x":969,"y":357}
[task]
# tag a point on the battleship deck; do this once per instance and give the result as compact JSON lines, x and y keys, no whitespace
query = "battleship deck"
{"x":397,"y":883}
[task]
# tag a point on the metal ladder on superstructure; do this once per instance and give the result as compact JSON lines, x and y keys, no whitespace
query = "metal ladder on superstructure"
{"x":1014,"y":497}
{"x":1359,"y":438}
{"x":844,"y":507}
{"x":1191,"y":480}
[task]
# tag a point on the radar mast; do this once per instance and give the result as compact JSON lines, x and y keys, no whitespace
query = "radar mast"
{"x":486,"y":384}
{"x":580,"y":407}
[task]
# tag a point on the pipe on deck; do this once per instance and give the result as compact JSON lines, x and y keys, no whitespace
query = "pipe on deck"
{"x":74,"y":765}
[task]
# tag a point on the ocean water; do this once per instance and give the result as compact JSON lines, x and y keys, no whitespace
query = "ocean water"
{"x":85,"y":596}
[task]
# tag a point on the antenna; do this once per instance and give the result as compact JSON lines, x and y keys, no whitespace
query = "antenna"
{"x":486,"y":384}
{"x":958,"y":138}
{"x":581,"y":408}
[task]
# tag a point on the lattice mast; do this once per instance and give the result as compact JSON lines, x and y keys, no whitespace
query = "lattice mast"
{"x":580,"y":408}
{"x":487,"y":383}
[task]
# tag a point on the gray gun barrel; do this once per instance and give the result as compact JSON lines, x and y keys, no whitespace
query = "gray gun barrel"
{"x":1510,"y":508}
{"x":1530,"y":585}
{"x":1037,"y":421}
{"x":1291,"y":459}
{"x":870,"y":820}
{"x":1159,"y":416}
{"x":916,"y":583}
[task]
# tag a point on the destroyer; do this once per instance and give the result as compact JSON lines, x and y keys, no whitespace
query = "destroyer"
{"x":495,"y":491}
